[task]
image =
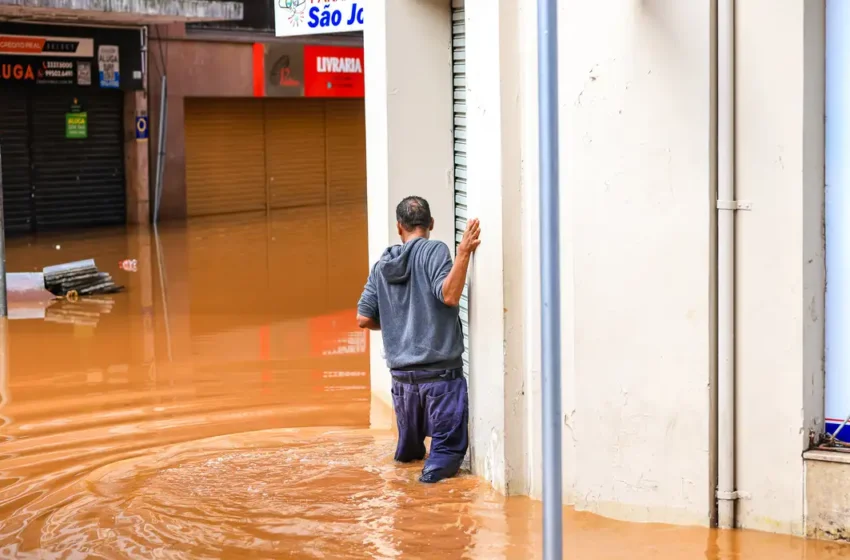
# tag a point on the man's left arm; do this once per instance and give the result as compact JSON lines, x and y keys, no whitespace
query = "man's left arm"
{"x":439,"y":267}
{"x":367,"y":308}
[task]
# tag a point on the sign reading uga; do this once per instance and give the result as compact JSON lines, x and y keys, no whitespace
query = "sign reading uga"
{"x":333,"y":71}
{"x":42,"y":72}
{"x":311,"y":17}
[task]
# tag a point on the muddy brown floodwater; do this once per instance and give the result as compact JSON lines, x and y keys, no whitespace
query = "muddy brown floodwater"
{"x":220,"y":408}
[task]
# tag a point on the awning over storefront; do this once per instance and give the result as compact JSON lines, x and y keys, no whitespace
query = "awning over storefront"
{"x":122,"y":12}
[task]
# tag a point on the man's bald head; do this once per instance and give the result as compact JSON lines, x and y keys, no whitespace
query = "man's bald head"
{"x":414,"y":213}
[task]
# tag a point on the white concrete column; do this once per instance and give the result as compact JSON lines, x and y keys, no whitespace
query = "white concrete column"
{"x":779,"y":250}
{"x":497,"y":319}
{"x":408,"y":129}
{"x":531,"y":258}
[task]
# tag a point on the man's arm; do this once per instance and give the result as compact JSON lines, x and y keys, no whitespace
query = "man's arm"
{"x":456,"y":279}
{"x":367,"y":308}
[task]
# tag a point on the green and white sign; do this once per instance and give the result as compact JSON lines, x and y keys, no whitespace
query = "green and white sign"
{"x":76,"y":126}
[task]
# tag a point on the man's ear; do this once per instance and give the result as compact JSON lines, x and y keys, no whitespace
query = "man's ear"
{"x":431,"y":228}
{"x":398,"y":226}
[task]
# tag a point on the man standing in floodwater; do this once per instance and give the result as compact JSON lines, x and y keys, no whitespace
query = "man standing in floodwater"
{"x":412,"y":297}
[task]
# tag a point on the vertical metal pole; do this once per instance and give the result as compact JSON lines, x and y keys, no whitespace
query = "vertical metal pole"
{"x":145,"y":56}
{"x":160,"y":160}
{"x":4,"y":310}
{"x":550,"y":276}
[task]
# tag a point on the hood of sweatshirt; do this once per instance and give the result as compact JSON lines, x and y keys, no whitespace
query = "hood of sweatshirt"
{"x":395,"y":262}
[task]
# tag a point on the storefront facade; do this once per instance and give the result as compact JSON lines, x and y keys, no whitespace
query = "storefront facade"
{"x":255,"y":124}
{"x":292,"y":145}
{"x":70,"y":96}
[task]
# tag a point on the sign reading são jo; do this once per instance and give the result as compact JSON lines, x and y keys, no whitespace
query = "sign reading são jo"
{"x":311,"y":17}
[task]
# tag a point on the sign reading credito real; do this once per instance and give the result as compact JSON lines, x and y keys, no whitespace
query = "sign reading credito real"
{"x":26,"y":45}
{"x":311,"y":17}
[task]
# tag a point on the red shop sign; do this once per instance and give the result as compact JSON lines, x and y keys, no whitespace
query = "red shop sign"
{"x":333,"y":71}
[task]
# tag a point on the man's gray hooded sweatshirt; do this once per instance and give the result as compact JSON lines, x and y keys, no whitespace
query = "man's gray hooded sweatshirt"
{"x":404,"y":294}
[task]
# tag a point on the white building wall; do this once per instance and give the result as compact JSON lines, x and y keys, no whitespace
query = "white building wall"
{"x":636,"y":172}
{"x":638,"y":241}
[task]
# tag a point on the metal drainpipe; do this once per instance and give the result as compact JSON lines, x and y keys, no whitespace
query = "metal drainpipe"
{"x":145,"y":62}
{"x":726,"y":207}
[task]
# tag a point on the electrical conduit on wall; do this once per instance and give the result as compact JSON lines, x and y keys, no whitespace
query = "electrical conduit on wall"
{"x":726,"y":206}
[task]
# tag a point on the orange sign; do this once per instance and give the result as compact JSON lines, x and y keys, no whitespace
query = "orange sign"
{"x":17,"y":72}
{"x":21,"y":45}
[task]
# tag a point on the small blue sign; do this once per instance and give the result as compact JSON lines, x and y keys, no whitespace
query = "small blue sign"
{"x":109,"y":66}
{"x":141,"y":128}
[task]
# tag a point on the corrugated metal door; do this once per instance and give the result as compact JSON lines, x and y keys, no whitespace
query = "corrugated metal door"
{"x":250,"y":154}
{"x":80,"y":182}
{"x":346,"y":134}
{"x":296,"y":152}
{"x":225,"y":156}
{"x":347,"y":248}
{"x":459,"y":80}
{"x":15,"y":153}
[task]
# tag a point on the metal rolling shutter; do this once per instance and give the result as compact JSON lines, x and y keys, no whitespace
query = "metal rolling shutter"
{"x":225,"y":159}
{"x":78,"y":183}
{"x":346,"y":138}
{"x":459,"y":80}
{"x":347,"y":246}
{"x":296,"y":157}
{"x":15,"y":153}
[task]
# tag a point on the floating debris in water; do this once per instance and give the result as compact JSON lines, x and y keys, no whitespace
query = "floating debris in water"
{"x":79,"y":278}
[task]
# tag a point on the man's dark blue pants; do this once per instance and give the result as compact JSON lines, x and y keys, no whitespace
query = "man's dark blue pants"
{"x":439,"y":409}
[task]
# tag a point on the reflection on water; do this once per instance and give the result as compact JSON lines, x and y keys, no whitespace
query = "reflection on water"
{"x":220,"y":407}
{"x":86,"y":311}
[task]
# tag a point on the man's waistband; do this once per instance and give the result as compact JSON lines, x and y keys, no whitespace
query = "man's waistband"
{"x":417,"y":377}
